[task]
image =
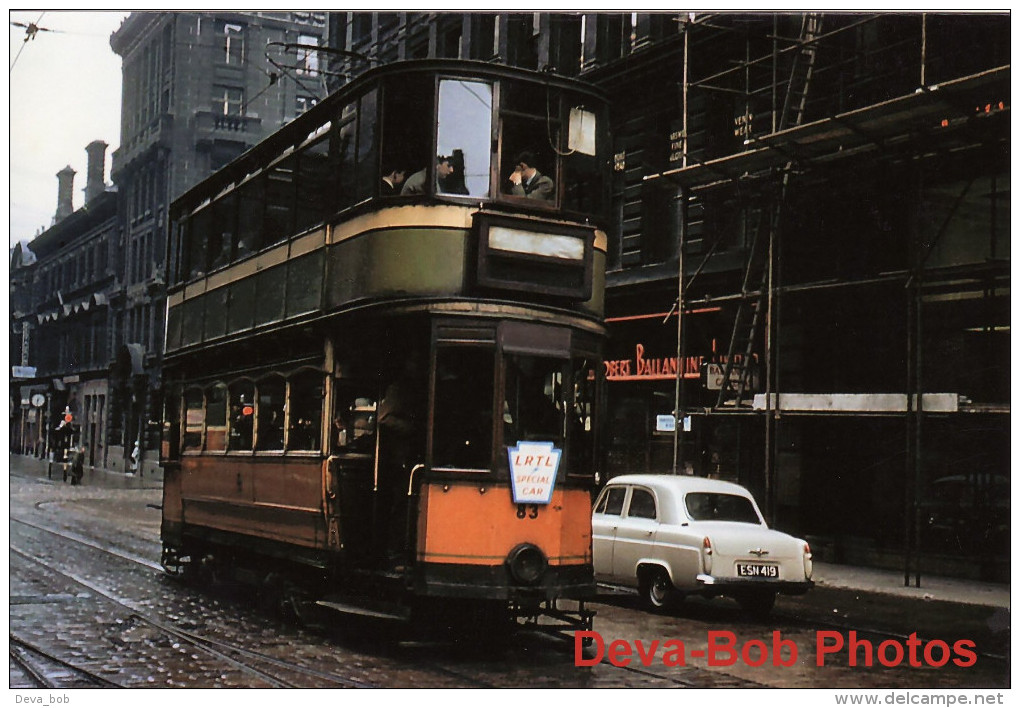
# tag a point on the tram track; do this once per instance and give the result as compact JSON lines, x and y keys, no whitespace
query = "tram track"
{"x":45,"y":670}
{"x":275,"y":671}
{"x":231,"y":653}
{"x":240,"y":658}
{"x":250,"y":660}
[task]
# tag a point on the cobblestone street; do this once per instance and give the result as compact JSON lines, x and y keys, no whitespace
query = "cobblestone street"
{"x":86,"y":590}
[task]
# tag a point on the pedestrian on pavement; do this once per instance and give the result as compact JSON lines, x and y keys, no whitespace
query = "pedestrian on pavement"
{"x":78,"y":464}
{"x":135,"y":456}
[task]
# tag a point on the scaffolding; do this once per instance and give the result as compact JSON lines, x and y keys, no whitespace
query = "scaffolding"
{"x":801,"y":136}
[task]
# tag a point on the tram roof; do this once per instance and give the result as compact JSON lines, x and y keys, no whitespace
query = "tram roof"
{"x":256,"y":157}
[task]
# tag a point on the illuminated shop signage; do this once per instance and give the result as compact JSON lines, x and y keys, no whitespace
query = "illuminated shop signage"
{"x":645,"y":367}
{"x":642,"y":367}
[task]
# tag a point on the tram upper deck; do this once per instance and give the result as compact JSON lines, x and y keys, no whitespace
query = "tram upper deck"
{"x":418,"y":181}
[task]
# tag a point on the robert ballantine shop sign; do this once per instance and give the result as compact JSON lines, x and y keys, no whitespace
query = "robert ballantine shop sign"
{"x":645,"y":367}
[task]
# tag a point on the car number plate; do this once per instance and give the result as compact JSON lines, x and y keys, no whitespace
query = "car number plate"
{"x":757,"y":570}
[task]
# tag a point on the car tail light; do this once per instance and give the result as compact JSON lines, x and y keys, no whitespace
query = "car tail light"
{"x":706,"y":554}
{"x":808,"y":565}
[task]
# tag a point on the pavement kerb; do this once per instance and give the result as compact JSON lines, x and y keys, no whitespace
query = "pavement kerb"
{"x":933,"y":588}
{"x":93,"y":475}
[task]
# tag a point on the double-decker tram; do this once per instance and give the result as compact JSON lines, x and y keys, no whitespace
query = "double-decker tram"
{"x":383,"y":346}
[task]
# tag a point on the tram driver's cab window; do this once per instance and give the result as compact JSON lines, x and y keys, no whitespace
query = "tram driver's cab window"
{"x":533,"y":404}
{"x":462,"y":430}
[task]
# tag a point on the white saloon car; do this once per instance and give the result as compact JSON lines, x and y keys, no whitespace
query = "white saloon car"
{"x":670,"y":536}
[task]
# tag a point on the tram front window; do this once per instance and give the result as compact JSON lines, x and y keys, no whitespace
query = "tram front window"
{"x":465,"y":136}
{"x":533,"y":405}
{"x":462,"y":432}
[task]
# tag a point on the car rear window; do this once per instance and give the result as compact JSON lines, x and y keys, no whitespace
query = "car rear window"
{"x":703,"y":506}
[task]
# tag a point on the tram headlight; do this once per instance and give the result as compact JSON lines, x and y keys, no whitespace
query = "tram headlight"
{"x":527,"y":563}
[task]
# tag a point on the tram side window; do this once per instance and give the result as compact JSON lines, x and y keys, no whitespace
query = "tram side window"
{"x":583,"y":184}
{"x":341,"y":152}
{"x":251,"y":200}
{"x":179,"y":252}
{"x":462,"y":430}
{"x":533,"y":406}
{"x":406,"y":134}
{"x":315,"y":185}
{"x":201,"y":225}
{"x":306,"y":394}
{"x":530,"y":126}
{"x":280,"y":198}
{"x":242,"y":415}
{"x":216,"y":418}
{"x":368,"y":147}
{"x":465,"y":136}
{"x":194,"y":420}
{"x":222,"y":231}
{"x":271,"y":393}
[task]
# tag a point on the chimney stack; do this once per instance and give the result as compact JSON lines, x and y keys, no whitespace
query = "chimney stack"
{"x":65,"y":193}
{"x":95,"y":183}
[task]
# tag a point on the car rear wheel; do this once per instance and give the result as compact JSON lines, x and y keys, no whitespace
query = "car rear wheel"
{"x":759,"y":604}
{"x":657,"y":589}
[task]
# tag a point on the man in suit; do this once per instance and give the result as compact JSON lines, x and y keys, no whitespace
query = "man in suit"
{"x":392,"y":179}
{"x":415,"y":184}
{"x":528,"y":182}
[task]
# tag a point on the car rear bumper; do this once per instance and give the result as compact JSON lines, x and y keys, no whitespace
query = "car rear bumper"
{"x":722,"y":586}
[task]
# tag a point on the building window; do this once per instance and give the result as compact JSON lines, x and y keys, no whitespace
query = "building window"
{"x":233,"y":43}
{"x":227,"y":100}
{"x":361,"y":30}
{"x":307,"y":58}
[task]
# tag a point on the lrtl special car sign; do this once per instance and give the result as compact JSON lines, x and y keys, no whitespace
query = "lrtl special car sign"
{"x":533,"y":467}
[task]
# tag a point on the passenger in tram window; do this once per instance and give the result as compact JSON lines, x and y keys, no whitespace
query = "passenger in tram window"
{"x":415,"y":184}
{"x":302,"y":435}
{"x":241,"y":426}
{"x":271,"y":432}
{"x":527,"y":181}
{"x":392,"y":179}
{"x":454,"y":182}
{"x":222,"y":256}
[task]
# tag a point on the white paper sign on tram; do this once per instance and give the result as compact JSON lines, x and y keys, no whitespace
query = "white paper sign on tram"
{"x":533,"y":467}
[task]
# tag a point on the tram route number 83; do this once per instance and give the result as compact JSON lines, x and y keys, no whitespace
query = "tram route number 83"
{"x":529,"y":511}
